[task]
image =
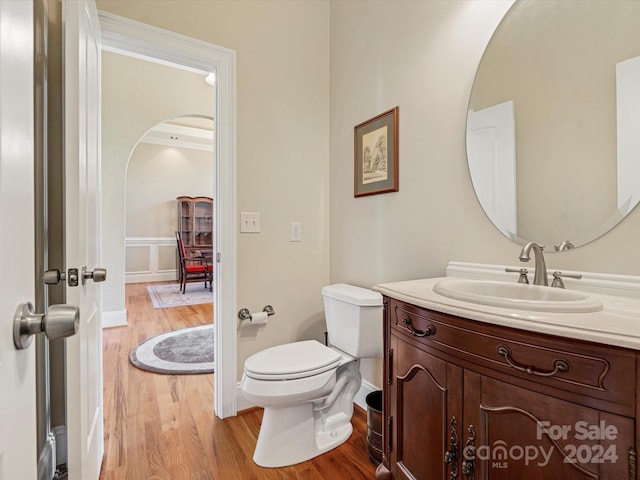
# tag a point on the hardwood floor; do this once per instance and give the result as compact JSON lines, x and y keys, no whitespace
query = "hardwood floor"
{"x":163,"y":427}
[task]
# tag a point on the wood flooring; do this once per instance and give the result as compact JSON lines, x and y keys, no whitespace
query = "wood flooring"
{"x":162,"y":426}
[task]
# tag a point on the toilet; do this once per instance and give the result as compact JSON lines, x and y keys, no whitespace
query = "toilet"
{"x":306,"y":388}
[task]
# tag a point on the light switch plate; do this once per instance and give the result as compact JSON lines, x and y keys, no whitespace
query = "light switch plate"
{"x":296,"y":232}
{"x":249,"y":222}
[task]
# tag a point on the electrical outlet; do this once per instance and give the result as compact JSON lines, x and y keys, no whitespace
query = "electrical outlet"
{"x":249,"y":222}
{"x":296,"y":232}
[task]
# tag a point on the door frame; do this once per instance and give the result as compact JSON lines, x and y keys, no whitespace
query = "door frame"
{"x":124,"y":36}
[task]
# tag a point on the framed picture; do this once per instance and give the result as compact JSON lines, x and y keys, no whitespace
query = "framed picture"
{"x":376,"y":155}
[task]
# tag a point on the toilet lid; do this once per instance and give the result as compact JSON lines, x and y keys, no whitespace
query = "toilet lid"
{"x":292,"y":360}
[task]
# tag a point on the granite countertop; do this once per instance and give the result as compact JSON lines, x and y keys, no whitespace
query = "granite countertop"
{"x":618,"y":323}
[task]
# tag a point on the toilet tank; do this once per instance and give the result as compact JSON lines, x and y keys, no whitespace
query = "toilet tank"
{"x":354,"y":319}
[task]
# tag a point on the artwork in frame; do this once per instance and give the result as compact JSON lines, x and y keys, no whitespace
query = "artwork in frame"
{"x":376,"y":155}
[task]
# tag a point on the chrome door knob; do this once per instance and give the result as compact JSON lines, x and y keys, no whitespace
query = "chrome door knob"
{"x":60,"y":321}
{"x":53,"y":277}
{"x":97,"y":274}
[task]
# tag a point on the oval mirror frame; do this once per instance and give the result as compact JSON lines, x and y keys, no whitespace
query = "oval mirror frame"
{"x":551,"y":143}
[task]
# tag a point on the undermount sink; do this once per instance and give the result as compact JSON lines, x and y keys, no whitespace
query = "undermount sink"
{"x":517,"y":296}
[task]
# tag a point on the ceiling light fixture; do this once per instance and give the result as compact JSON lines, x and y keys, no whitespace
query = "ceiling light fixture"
{"x":211,"y":78}
{"x":173,"y":137}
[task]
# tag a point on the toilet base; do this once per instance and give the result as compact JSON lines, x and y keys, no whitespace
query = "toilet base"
{"x":287,"y":436}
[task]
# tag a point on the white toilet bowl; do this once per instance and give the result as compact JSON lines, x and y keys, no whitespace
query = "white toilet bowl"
{"x":307,"y":392}
{"x":307,"y":389}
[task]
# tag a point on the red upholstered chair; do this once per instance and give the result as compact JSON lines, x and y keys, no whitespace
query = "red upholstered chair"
{"x":192,"y":269}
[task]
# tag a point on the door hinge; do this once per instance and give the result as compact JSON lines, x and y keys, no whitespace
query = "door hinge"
{"x":390,"y":367}
{"x":633,"y":462}
{"x":389,"y":434}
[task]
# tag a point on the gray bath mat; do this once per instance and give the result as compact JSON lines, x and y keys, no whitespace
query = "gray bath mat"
{"x":184,"y":351}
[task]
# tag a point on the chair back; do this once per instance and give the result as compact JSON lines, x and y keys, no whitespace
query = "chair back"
{"x":181,"y":250}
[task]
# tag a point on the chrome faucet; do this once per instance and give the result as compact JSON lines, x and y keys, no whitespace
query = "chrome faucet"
{"x":540,"y":277}
{"x":564,"y":245}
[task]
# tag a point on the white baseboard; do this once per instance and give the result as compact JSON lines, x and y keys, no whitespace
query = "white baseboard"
{"x":116,"y":318}
{"x":365,"y":389}
{"x":360,"y":399}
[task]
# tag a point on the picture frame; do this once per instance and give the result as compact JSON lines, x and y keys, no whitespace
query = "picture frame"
{"x":376,"y":155}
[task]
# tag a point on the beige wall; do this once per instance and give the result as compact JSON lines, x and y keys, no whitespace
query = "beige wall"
{"x":419,"y":55}
{"x":424,"y":61}
{"x":155,"y":177}
{"x":422,"y":56}
{"x":282,"y":148}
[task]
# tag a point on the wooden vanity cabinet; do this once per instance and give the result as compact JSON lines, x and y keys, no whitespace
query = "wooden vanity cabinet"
{"x":427,"y":392}
{"x":469,"y":400}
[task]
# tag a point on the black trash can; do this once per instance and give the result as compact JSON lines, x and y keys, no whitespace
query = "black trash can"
{"x":374,"y":426}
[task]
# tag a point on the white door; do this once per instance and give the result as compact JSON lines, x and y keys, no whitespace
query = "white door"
{"x":17,"y":367}
{"x":491,"y":148}
{"x":628,"y":116}
{"x":83,"y":237}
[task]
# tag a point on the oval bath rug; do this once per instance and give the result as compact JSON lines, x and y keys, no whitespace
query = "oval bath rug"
{"x":185,"y":351}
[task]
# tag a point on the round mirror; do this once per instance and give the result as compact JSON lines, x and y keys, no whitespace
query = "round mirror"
{"x":552,"y":129}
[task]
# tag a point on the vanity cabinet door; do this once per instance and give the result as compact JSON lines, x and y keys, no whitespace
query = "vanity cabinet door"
{"x":427,"y":394}
{"x":523,"y":434}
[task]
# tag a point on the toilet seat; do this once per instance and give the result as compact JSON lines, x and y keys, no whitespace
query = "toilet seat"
{"x":292,"y":361}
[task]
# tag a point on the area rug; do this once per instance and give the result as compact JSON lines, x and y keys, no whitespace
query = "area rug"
{"x":169,"y":295}
{"x":184,"y":351}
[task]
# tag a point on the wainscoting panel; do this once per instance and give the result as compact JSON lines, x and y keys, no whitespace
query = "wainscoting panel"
{"x":150,"y":259}
{"x":167,"y":258}
{"x":138,"y":259}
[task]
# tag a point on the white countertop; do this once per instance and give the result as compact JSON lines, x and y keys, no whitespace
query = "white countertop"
{"x":618,"y":323}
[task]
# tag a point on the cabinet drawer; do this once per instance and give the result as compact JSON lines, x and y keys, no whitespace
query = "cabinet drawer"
{"x":578,"y":367}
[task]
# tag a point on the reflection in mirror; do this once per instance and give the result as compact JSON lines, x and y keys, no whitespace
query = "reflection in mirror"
{"x":553,"y":118}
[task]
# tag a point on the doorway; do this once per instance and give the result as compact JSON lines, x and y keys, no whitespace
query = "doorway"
{"x":134,"y":39}
{"x":173,"y":159}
